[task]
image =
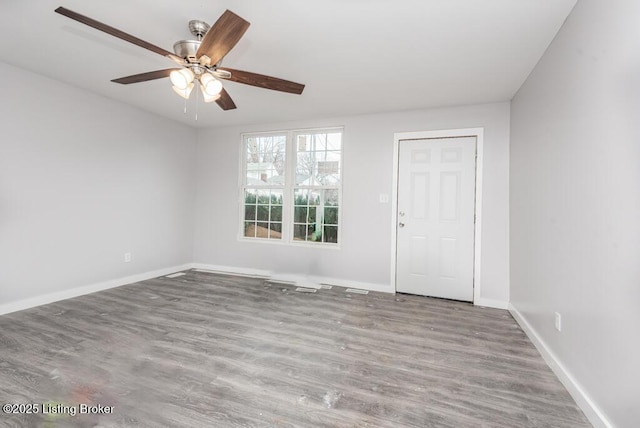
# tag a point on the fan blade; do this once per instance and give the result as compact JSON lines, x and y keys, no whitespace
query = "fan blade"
{"x":225,"y":102}
{"x":116,"y":33}
{"x":262,"y":81}
{"x":143,"y":77}
{"x":222,"y":36}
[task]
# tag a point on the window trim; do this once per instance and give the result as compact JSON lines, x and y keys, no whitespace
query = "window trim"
{"x":288,"y":188}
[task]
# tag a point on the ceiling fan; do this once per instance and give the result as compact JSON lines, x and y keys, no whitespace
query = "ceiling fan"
{"x":199,"y":60}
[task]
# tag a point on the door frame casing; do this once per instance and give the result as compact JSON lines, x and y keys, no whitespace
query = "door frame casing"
{"x":398,"y":137}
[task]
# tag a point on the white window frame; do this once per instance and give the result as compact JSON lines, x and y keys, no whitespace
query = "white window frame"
{"x":288,"y":188}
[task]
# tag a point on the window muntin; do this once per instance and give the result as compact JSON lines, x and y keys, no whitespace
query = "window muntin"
{"x":292,"y":186}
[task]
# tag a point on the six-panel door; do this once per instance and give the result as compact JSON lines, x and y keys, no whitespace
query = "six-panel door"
{"x":436,"y":206}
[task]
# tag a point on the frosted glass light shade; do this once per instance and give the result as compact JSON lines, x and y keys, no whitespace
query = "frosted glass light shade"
{"x":210,"y":85}
{"x":184,"y":93}
{"x":208,"y":98}
{"x":181,"y":78}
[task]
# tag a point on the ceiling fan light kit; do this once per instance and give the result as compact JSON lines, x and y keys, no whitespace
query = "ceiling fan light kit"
{"x":210,"y":85}
{"x":181,"y":78}
{"x":183,"y":92}
{"x":209,"y":98}
{"x":198,"y":59}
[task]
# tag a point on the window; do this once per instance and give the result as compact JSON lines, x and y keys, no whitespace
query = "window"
{"x":264,"y":185}
{"x":291,"y":186}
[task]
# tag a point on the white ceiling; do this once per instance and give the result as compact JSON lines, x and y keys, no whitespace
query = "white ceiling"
{"x":355,"y":56}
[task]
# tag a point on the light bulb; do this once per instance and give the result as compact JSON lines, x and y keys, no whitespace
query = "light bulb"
{"x":208,"y":98}
{"x":210,"y":85}
{"x":181,"y":78}
{"x":184,"y":93}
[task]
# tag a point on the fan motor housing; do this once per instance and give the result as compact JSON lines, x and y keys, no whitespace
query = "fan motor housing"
{"x":186,"y":48}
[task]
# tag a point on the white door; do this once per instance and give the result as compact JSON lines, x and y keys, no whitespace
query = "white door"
{"x":436,"y":206}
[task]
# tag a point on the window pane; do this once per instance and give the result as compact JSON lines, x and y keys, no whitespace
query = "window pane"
{"x":276,"y":197}
{"x":263,"y":197}
{"x":263,"y":213}
{"x":250,"y":212}
{"x":301,"y":197}
{"x":262,"y":230}
{"x":319,"y":142}
{"x":331,"y":215}
{"x":330,"y":234}
{"x":333,"y":156}
{"x":276,"y":227}
{"x":303,"y":144}
{"x":334,"y":141}
{"x":318,"y":159}
{"x":300,"y":214}
{"x":250,"y":197}
{"x":275,"y":231}
{"x":300,"y":232}
{"x":264,"y":205}
{"x":249,"y":229}
{"x":312,"y":215}
{"x":318,"y":220}
{"x":265,"y":161}
{"x":276,"y":213}
{"x":304,"y":168}
{"x":331,"y":197}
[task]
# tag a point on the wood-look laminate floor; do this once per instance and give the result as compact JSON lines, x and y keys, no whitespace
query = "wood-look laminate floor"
{"x":205,"y":350}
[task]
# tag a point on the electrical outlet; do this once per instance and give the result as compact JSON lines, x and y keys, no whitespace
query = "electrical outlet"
{"x":558,"y":321}
{"x":127,"y":257}
{"x":384,"y":198}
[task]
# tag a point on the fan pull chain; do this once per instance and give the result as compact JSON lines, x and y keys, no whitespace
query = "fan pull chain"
{"x":197,"y":102}
{"x":185,"y":106}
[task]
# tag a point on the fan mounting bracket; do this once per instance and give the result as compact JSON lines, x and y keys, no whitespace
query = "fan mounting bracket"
{"x":198,"y":28}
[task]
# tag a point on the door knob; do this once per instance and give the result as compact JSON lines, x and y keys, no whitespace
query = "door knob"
{"x":400,"y":224}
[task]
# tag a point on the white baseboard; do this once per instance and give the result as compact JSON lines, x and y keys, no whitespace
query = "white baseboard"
{"x":44,"y":299}
{"x":491,"y":303}
{"x":302,"y":280}
{"x":257,"y":273}
{"x":582,"y":398}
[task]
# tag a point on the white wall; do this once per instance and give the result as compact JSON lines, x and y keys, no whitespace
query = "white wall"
{"x":575,"y":203}
{"x":83,"y":180}
{"x":365,"y":253}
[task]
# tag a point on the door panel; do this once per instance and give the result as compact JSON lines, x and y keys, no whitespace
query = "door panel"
{"x":419,"y":251}
{"x":450,"y":196}
{"x":436,"y":205}
{"x":420,"y":195}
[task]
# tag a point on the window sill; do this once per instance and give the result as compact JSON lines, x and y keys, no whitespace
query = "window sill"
{"x":323,"y":245}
